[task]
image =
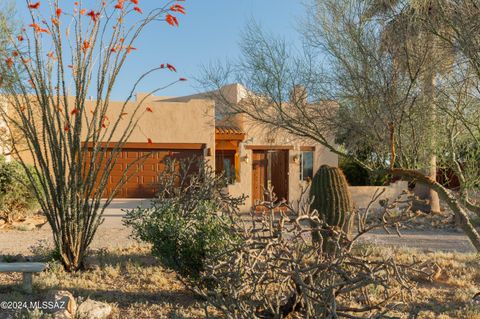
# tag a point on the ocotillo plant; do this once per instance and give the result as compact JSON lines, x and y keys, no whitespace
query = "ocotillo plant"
{"x":76,"y":49}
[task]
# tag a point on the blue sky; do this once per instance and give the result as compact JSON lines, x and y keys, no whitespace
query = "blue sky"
{"x":210,"y":31}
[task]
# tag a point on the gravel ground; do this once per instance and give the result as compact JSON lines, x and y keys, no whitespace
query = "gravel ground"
{"x":426,"y":240}
{"x":112,"y":234}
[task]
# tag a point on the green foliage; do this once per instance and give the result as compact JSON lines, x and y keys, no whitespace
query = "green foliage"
{"x":191,"y":221}
{"x":356,"y":175}
{"x":332,"y":200}
{"x":183,"y":241}
{"x":16,"y":196}
{"x":9,"y":259}
{"x":45,"y":252}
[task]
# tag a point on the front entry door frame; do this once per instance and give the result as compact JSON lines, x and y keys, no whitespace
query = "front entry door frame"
{"x":270,"y":168}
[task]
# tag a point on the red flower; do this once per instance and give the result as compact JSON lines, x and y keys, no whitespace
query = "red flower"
{"x":86,"y":45}
{"x":58,"y":11}
{"x":67,"y":128}
{"x":149,"y":109}
{"x":9,"y":62}
{"x":119,"y":5}
{"x":177,"y":8}
{"x":171,"y":20}
{"x":130,"y":49}
{"x":15,"y":53}
{"x":113,"y":50}
{"x":134,"y":1}
{"x":182,"y":79}
{"x":37,"y":28}
{"x":149,"y":140}
{"x":93,"y":15}
{"x":138,"y":9}
{"x":74,"y":111}
{"x":82,"y":12}
{"x":20,"y":38}
{"x":34,"y":5}
{"x":25,"y":61}
{"x":171,"y":67}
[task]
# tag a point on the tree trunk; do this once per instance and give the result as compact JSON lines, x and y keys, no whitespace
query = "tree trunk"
{"x":454,"y":203}
{"x":431,"y":161}
{"x":433,"y":195}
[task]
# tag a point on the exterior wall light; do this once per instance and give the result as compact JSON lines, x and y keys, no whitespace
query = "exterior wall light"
{"x":296,"y":159}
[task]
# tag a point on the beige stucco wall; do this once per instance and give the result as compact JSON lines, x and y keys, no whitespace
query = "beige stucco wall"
{"x":363,"y":195}
{"x":259,"y":136}
{"x":190,"y":121}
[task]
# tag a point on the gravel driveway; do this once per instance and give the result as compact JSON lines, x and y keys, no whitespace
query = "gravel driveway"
{"x":112,"y":234}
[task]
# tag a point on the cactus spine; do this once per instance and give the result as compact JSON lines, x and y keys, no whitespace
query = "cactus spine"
{"x":331,"y":198}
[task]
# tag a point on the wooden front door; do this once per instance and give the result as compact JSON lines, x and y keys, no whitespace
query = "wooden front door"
{"x":269,"y":167}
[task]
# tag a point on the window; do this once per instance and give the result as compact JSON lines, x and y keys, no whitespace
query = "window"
{"x":225,"y":163}
{"x":306,"y":165}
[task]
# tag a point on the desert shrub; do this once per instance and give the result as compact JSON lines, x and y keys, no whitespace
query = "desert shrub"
{"x":16,"y":196}
{"x":190,"y":221}
{"x":279,"y":272}
{"x":358,"y":176}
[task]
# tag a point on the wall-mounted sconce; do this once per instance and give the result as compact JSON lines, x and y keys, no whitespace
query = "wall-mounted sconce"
{"x":296,"y":159}
{"x":207,"y":152}
{"x":245,"y":159}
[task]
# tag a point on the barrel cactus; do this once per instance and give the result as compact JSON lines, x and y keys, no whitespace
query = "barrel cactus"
{"x":332,"y":199}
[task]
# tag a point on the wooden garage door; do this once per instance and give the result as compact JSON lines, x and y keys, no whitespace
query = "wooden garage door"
{"x":143,"y":184}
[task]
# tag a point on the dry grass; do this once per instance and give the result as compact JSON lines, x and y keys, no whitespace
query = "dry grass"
{"x":130,"y":280}
{"x":448,"y":294}
{"x":138,"y":287}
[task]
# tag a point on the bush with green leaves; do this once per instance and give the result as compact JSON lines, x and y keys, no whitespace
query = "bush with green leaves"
{"x":16,"y":196}
{"x":191,"y":220}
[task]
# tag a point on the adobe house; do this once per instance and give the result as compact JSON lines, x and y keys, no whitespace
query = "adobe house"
{"x":251,"y":156}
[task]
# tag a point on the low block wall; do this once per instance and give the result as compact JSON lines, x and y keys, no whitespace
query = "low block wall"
{"x":362,"y":195}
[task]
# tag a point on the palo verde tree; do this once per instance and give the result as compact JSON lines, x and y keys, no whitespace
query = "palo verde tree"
{"x":65,"y":54}
{"x":368,"y":93}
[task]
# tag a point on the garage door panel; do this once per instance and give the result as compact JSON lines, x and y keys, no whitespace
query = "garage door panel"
{"x":149,"y":167}
{"x":132,"y":154}
{"x":118,"y":166}
{"x":143,"y":183}
{"x":115,"y":179}
{"x":149,"y":180}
